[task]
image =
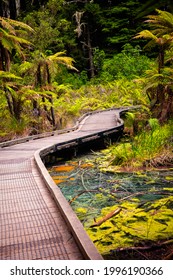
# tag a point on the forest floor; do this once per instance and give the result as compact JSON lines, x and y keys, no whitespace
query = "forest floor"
{"x":155,"y":251}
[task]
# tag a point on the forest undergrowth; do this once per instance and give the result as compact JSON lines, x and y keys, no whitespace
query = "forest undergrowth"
{"x":42,"y":90}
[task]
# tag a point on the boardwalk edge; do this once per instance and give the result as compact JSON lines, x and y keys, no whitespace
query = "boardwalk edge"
{"x":85,"y":244}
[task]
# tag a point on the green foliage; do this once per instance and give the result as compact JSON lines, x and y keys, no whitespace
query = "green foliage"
{"x":160,"y":35}
{"x":141,"y":150}
{"x":129,"y":64}
{"x":98,"y":59}
{"x":4,"y":76}
{"x":66,"y":77}
{"x":54,"y":26}
{"x":154,"y":124}
{"x":89,"y":97}
{"x":118,"y":22}
{"x":51,"y":28}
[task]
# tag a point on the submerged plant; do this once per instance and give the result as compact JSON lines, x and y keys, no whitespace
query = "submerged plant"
{"x":133,"y":225}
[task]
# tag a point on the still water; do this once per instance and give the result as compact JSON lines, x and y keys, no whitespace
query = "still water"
{"x":146,"y":201}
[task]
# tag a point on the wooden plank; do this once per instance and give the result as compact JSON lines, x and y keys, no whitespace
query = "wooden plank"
{"x":33,"y":222}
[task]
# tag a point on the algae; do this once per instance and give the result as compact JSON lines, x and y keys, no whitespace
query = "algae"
{"x":132,"y":226}
{"x":145,"y":200}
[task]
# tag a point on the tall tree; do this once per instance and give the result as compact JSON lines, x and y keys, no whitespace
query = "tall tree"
{"x":149,"y":6}
{"x":10,"y":8}
{"x":105,"y":25}
{"x":53,"y":30}
{"x":118,"y":22}
{"x":43,"y":67}
{"x":84,"y":15}
{"x":10,"y":40}
{"x":10,"y":43}
{"x":161,"y":34}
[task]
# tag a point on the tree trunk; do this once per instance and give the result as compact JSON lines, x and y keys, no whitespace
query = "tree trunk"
{"x":52,"y":113}
{"x":167,"y":106}
{"x":90,"y":54}
{"x":9,"y":102}
{"x":12,"y":9}
{"x":18,"y":6}
{"x":7,"y":60}
{"x":36,"y":109}
{"x":160,"y":89}
{"x":4,"y":9}
{"x":17,"y":108}
{"x":1,"y":58}
{"x":38,"y":81}
{"x":161,"y":59}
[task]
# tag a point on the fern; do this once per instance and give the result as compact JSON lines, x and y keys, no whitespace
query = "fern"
{"x":146,"y":34}
{"x":9,"y":24}
{"x":8,"y":75}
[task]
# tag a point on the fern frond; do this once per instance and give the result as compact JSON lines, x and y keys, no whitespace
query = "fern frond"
{"x":65,"y":60}
{"x":146,"y":34}
{"x":165,"y":17}
{"x":150,"y":86}
{"x":25,"y":67}
{"x":8,"y":75}
{"x":11,"y":23}
{"x":6,"y":25}
{"x":18,"y":39}
{"x":7,"y":44}
{"x":58,"y":54}
{"x":161,"y":23}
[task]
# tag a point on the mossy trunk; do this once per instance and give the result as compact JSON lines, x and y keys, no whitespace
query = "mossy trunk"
{"x":166,"y":107}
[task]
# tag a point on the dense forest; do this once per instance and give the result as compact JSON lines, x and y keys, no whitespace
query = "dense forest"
{"x":59,"y":59}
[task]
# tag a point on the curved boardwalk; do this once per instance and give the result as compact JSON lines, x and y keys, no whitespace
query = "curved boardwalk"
{"x":31,"y":223}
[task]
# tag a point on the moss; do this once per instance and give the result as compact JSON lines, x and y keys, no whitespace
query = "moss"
{"x":81,"y":212}
{"x":169,"y":178}
{"x":133,"y":225}
{"x":141,"y":219}
{"x":168,"y":189}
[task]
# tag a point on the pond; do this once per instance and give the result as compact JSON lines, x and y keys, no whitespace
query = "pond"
{"x":119,"y":211}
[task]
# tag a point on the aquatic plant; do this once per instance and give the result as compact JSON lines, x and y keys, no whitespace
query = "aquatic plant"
{"x":134,"y":225}
{"x":119,"y":211}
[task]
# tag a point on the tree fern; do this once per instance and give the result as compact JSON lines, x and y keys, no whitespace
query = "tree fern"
{"x":159,"y":84}
{"x":10,"y":39}
{"x":61,"y":59}
{"x":10,"y":25}
{"x":163,"y":20}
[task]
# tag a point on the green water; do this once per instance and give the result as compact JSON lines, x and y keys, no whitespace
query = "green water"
{"x":146,"y":201}
{"x":88,"y":187}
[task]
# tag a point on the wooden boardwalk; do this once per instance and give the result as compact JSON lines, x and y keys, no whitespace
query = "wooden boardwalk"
{"x":31,"y":222}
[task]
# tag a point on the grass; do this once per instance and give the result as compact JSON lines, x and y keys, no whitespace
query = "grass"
{"x":143,"y":150}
